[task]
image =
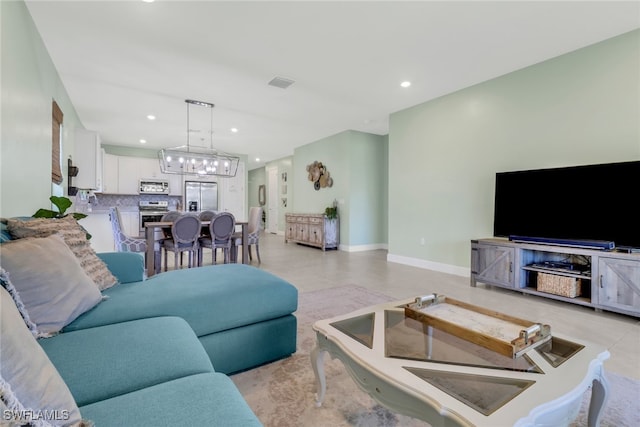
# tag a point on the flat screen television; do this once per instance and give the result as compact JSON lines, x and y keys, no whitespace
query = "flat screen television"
{"x":593,"y":202}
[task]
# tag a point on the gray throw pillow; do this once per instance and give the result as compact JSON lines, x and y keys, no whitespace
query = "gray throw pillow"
{"x":31,"y":389}
{"x":48,"y":282}
{"x":76,"y":239}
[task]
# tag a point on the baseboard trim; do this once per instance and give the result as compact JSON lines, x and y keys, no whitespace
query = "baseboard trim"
{"x":430,"y":265}
{"x":363,"y":248}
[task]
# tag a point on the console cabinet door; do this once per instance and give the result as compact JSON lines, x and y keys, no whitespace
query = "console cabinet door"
{"x":619,"y":284}
{"x":493,"y":265}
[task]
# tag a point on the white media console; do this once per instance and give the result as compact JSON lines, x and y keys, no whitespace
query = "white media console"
{"x":608,"y":280}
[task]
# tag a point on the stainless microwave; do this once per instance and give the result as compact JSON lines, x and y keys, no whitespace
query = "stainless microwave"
{"x":153,"y":186}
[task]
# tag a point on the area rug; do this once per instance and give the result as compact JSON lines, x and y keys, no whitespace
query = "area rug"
{"x":282,"y":394}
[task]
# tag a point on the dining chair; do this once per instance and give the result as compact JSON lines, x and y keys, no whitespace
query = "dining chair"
{"x":185,"y":232}
{"x":253,"y":234}
{"x":170,"y":216}
{"x":124,"y":242}
{"x":221,"y":231}
{"x":206,"y":216}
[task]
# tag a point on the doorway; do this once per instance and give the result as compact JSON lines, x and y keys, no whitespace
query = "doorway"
{"x":272,"y":200}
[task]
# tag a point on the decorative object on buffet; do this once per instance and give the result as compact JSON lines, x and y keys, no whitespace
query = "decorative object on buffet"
{"x":319,"y":175}
{"x":198,"y":160}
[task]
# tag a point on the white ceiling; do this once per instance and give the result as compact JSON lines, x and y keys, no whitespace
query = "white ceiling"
{"x":123,"y":60}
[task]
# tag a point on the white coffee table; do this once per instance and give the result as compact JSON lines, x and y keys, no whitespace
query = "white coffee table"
{"x":436,"y":377}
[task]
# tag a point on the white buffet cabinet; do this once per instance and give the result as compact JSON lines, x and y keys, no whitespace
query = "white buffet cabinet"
{"x":313,"y":230}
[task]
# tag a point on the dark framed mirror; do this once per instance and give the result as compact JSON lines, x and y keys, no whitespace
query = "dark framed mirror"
{"x":262,"y":195}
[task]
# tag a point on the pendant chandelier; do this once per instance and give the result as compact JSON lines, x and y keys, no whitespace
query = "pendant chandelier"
{"x":196,"y":160}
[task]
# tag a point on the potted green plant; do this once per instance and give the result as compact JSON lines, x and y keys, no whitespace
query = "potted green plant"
{"x":331,"y":212}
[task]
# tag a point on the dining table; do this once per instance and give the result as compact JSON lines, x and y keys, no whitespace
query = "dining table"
{"x":150,"y":233}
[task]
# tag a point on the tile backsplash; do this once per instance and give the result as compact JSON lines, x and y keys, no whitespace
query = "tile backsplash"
{"x":102,"y":202}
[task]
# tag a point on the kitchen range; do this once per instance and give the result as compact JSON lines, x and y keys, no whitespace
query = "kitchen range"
{"x":151,"y":211}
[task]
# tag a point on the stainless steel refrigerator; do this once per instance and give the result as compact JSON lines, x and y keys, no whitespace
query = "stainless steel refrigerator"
{"x":200,"y":196}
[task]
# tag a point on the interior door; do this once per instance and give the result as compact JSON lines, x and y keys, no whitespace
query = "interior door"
{"x":272,"y":201}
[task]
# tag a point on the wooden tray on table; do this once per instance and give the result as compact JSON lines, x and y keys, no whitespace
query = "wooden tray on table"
{"x":496,"y":331}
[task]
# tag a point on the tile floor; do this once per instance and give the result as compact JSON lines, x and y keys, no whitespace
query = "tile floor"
{"x":311,"y":269}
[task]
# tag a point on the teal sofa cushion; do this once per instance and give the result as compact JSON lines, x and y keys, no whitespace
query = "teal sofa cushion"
{"x":238,"y":349}
{"x":211,"y":299}
{"x":107,"y":361}
{"x":209,"y":399}
{"x":125,"y":266}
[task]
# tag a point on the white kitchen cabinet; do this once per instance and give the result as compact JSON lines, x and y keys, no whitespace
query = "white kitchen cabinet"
{"x":88,"y":158}
{"x":125,"y":172}
{"x":128,"y":175}
{"x":131,"y":223}
{"x":132,"y":169}
{"x":99,"y":226}
{"x":148,"y":168}
{"x":176,"y":183}
{"x":232,"y":194}
{"x":110,"y":168}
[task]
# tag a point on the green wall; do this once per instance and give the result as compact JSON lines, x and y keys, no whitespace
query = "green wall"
{"x":29,"y":84}
{"x":579,"y":108}
{"x":357,"y":162}
{"x":257,"y":177}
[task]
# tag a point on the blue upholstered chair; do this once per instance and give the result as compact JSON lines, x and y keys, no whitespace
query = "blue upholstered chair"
{"x":253,"y":234}
{"x":125,"y":243}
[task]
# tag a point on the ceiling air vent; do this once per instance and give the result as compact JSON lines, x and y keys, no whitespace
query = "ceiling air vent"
{"x":281,"y":82}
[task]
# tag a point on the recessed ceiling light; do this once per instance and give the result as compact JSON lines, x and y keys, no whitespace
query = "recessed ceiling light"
{"x":405,"y":83}
{"x":148,"y":1}
{"x":234,"y":130}
{"x":143,"y":141}
{"x":151,"y":117}
{"x":257,"y":159}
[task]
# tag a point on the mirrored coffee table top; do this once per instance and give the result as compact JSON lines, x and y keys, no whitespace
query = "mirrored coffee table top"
{"x":409,"y":339}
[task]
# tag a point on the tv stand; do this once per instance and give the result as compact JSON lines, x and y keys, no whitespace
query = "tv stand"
{"x":606,"y":280}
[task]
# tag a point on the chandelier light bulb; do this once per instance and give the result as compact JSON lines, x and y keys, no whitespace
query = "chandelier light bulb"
{"x":181,"y":159}
{"x":168,"y":158}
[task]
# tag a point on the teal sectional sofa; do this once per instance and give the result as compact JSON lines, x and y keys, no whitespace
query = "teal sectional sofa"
{"x":148,"y":372}
{"x":243,"y":316}
{"x":153,"y":351}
